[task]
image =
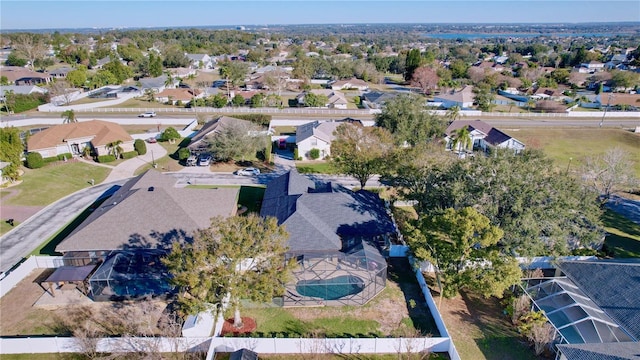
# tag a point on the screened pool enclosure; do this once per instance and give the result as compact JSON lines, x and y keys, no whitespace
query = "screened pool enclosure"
{"x":336,"y":278}
{"x":576,"y":318}
{"x":130,"y":275}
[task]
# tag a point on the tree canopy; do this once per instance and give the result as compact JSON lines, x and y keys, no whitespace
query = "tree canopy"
{"x":463,"y":245}
{"x":241,"y":257}
{"x":541,"y":209}
{"x":407,"y":119}
{"x":237,"y":141}
{"x":11,"y":151}
{"x":361,"y":151}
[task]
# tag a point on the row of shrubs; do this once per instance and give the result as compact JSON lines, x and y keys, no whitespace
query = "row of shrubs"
{"x":34,"y":160}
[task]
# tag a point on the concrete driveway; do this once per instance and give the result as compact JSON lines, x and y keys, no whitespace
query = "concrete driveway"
{"x":126,"y":169}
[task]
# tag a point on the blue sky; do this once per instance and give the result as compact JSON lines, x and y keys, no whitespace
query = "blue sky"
{"x":27,"y":14}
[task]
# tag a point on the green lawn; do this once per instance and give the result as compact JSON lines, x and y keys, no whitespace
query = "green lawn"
{"x":5,"y":227}
{"x":623,"y":236}
{"x":316,"y":168}
{"x":41,"y":187}
{"x":570,"y":146}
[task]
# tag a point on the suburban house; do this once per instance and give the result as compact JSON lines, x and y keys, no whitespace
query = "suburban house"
{"x":22,"y":76}
{"x":174,"y":95}
{"x":544,"y":93}
{"x":483,"y":137}
{"x":593,"y":306}
{"x":157,"y":84}
{"x":352,"y":83}
{"x":315,"y":135}
{"x":21,"y":89}
{"x":376,"y":99}
{"x":126,"y":235}
{"x":200,"y":141}
{"x":618,"y":99}
{"x":60,"y":73}
{"x":336,"y":236}
{"x":335,"y":99}
{"x":73,"y":138}
{"x":462,"y":99}
{"x":592,"y":66}
{"x":182,"y":72}
{"x":200,"y":61}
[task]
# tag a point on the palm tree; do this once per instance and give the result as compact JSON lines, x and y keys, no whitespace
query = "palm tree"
{"x":115,"y":149}
{"x":453,"y":113}
{"x":461,"y":140}
{"x":531,"y":103}
{"x":68,"y":116}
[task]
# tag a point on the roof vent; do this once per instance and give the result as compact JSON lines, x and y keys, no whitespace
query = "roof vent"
{"x":150,"y":188}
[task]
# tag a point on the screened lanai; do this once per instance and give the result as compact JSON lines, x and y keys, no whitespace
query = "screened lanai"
{"x":336,"y":278}
{"x":574,"y":315}
{"x":130,"y":275}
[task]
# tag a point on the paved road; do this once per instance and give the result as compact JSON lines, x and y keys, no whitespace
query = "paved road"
{"x":20,"y":241}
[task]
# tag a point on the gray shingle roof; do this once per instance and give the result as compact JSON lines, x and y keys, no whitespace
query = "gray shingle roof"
{"x":321,"y":130}
{"x":599,"y":351}
{"x":149,"y":212}
{"x":213,"y":127}
{"x":493,"y":135}
{"x":614,"y":285}
{"x":317,"y":217}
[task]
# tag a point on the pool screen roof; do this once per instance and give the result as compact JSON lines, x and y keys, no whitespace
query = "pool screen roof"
{"x":70,"y":273}
{"x":574,"y":314}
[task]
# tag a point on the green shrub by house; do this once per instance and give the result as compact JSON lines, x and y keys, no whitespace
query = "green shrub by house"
{"x":65,"y":156}
{"x":129,"y":154}
{"x":106,"y":158}
{"x":140,"y":146}
{"x":183,"y":154}
{"x":34,"y":160}
{"x":314,"y":154}
{"x":51,"y":159}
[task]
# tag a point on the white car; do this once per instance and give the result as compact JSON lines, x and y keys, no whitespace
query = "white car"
{"x":248,"y":171}
{"x":148,"y":114}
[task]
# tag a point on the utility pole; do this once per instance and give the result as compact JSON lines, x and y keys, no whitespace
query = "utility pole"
{"x":606,"y":108}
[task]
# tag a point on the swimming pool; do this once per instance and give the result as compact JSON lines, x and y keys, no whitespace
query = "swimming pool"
{"x":331,"y":289}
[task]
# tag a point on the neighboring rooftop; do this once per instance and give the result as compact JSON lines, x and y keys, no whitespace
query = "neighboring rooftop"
{"x":615,"y":351}
{"x":103,"y":133}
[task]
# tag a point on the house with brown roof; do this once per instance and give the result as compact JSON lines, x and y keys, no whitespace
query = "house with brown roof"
{"x":22,"y":76}
{"x":174,"y":95}
{"x":73,"y":138}
{"x":462,"y":99}
{"x":483,"y":137}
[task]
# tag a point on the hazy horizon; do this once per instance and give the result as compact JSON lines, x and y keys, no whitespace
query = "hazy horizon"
{"x":51,"y":15}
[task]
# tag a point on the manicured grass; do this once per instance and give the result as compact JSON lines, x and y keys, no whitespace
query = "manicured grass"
{"x":623,"y":236}
{"x":277,"y":322}
{"x":5,"y":227}
{"x":316,"y":168}
{"x":41,"y":187}
{"x":570,"y":146}
{"x":168,"y":162}
{"x":284,"y":130}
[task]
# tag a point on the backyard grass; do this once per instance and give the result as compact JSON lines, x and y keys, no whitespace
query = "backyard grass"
{"x":284,"y":130}
{"x":41,"y":187}
{"x":390,"y":313}
{"x":5,"y":227}
{"x":623,"y":236}
{"x":569,"y":147}
{"x":316,"y":168}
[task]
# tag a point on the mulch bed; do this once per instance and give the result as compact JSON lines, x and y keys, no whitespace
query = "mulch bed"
{"x":248,"y":326}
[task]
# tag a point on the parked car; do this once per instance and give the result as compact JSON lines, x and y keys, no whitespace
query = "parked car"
{"x":248,"y":172}
{"x":192,"y":160}
{"x":152,"y":140}
{"x":282,"y":144}
{"x":204,"y":160}
{"x":148,"y":114}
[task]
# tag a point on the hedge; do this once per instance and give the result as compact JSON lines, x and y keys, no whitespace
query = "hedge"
{"x":106,"y":158}
{"x":140,"y":146}
{"x":51,"y":159}
{"x":314,"y":153}
{"x":129,"y":154}
{"x":21,"y":102}
{"x":34,"y":160}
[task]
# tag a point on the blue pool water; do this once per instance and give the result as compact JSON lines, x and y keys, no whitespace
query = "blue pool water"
{"x":330,"y":289}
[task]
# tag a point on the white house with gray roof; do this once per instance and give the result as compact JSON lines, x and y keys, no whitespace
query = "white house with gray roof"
{"x":315,"y":135}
